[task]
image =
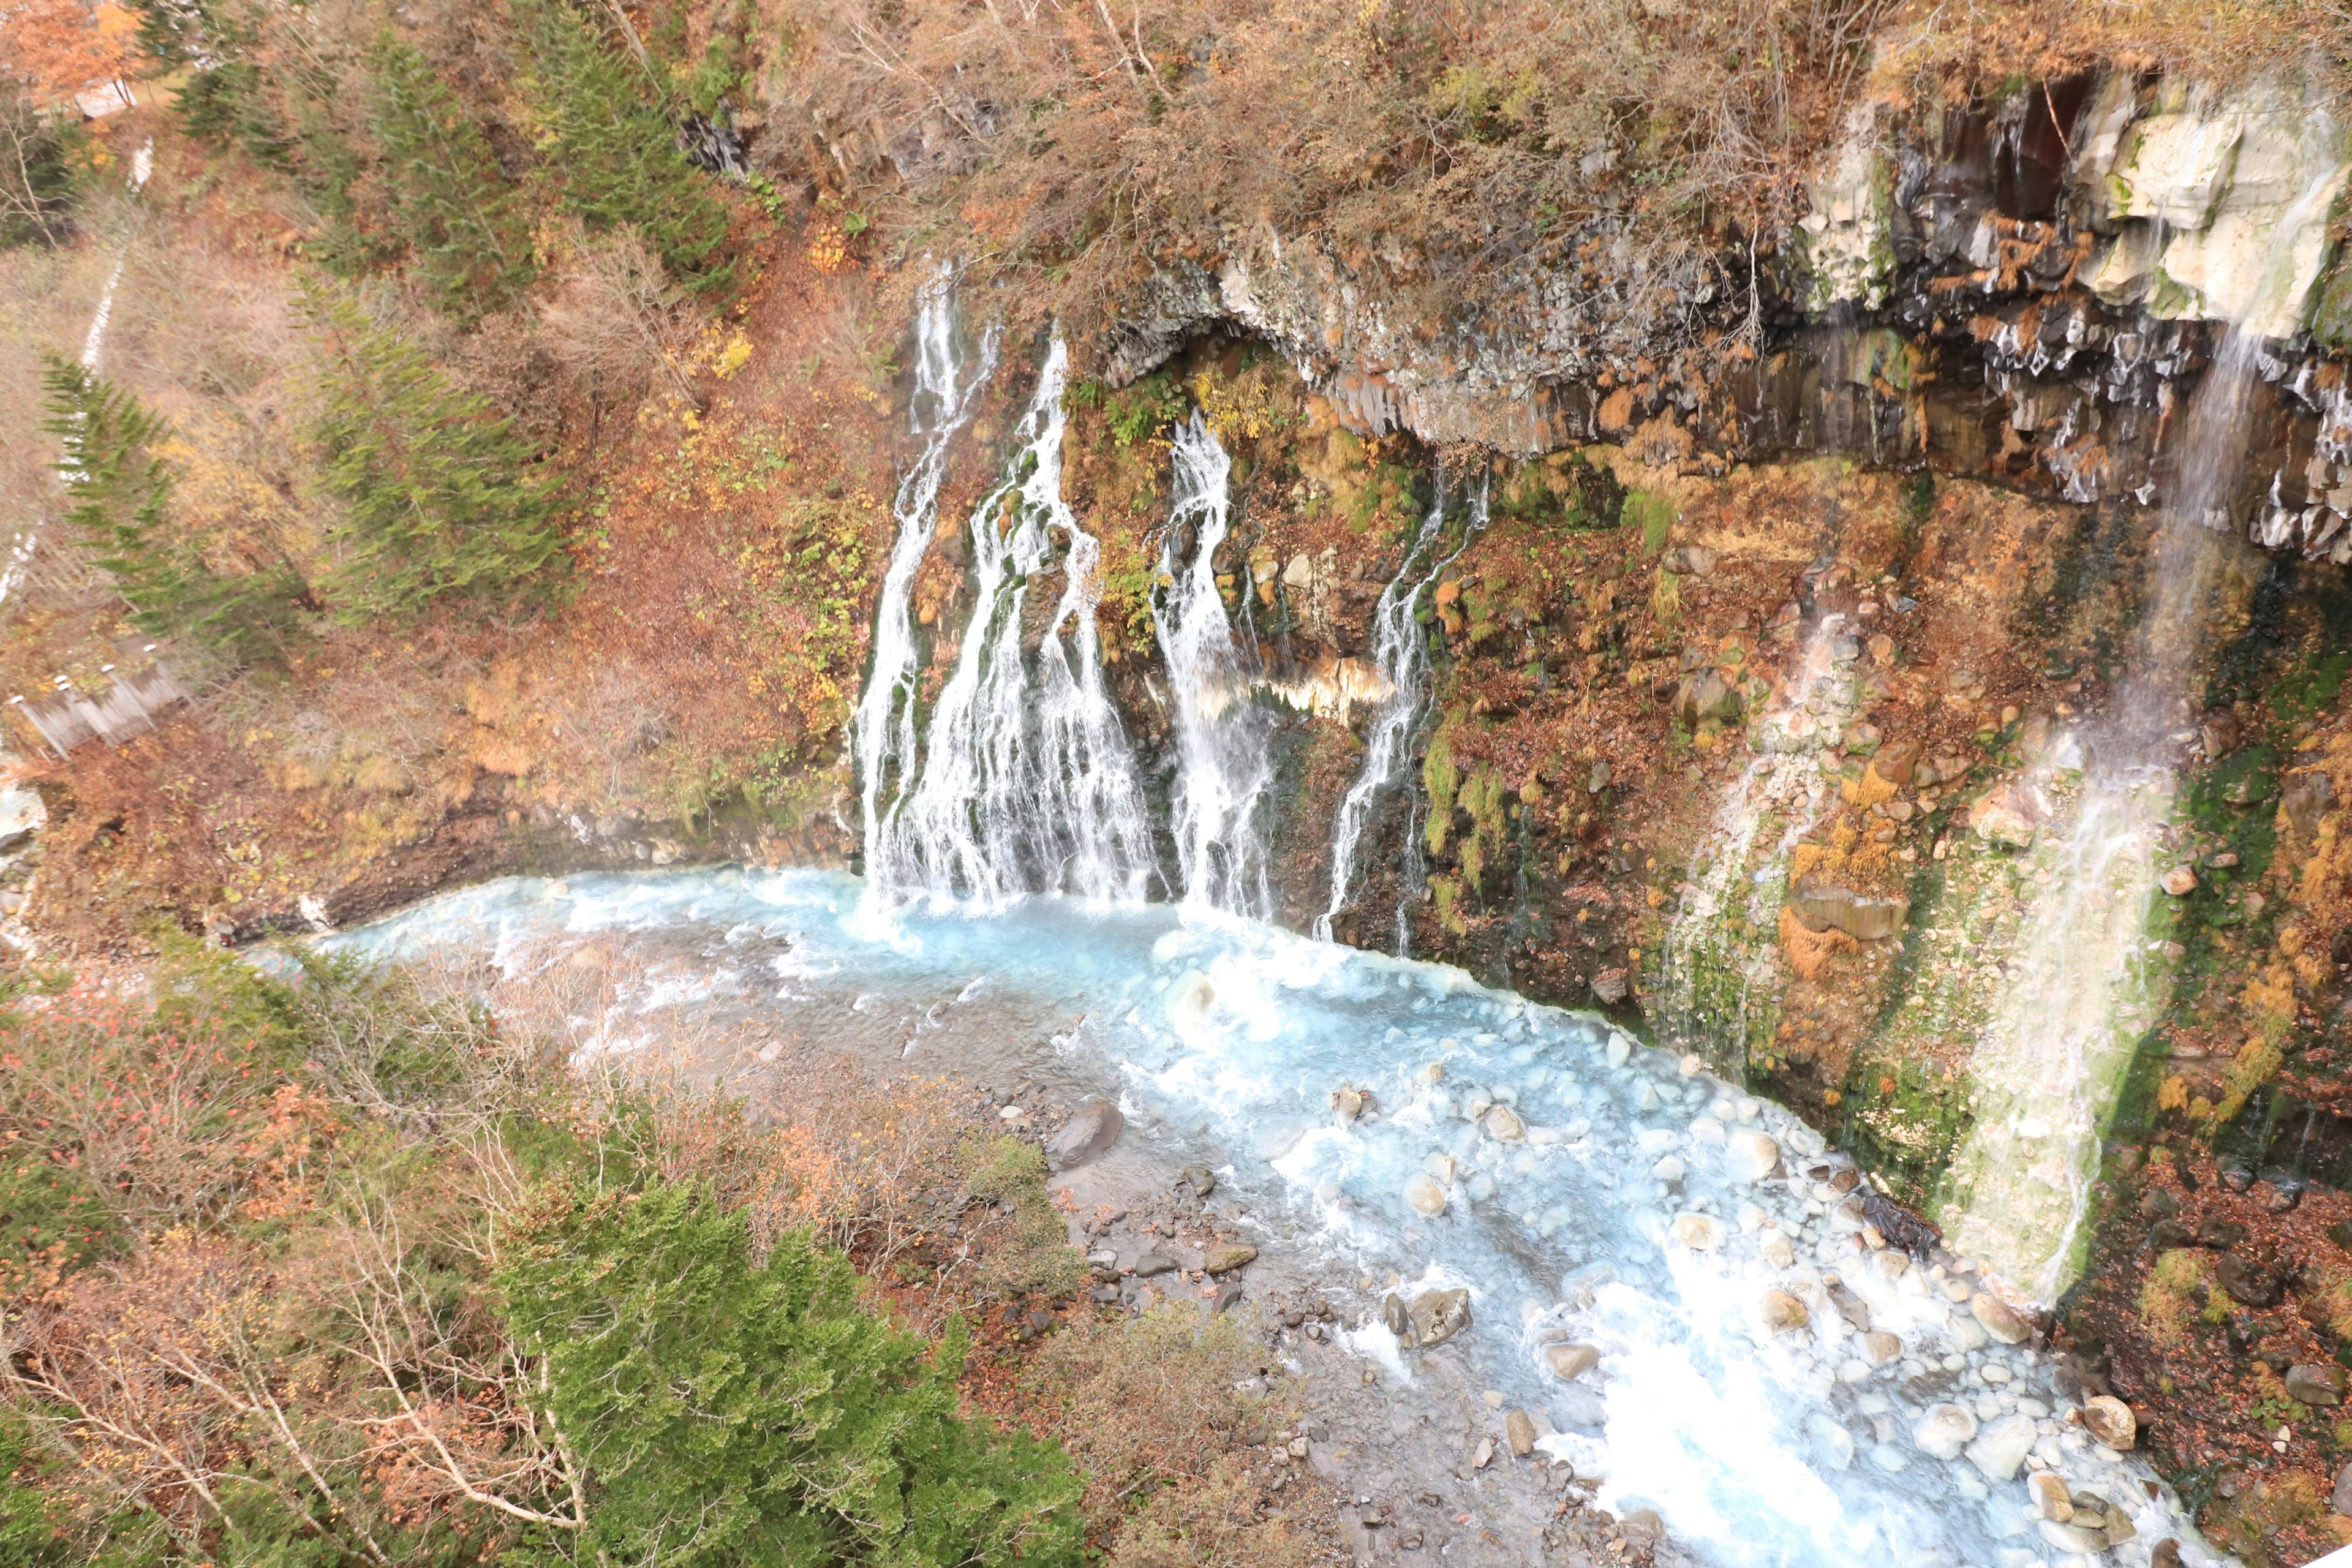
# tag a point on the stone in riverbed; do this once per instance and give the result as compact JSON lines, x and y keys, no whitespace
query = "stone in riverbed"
{"x":2010,"y":814}
{"x":1087,"y":1135}
{"x":2001,"y":1320}
{"x":1349,"y":1102}
{"x":1699,"y":1232}
{"x":2074,"y":1537}
{"x":2111,"y":1421}
{"x":1153,"y":1264}
{"x":2050,"y":1496}
{"x":2315,"y":1384}
{"x":1519,"y":1432}
{"x":1570,"y":1361}
{"x":1503,"y":1125}
{"x":1438,"y":1315}
{"x":2001,"y":1447}
{"x":1227,"y":1256}
{"x":1200,"y":1179}
{"x":1777,"y":1248}
{"x":2181,"y":881}
{"x":1781,"y":1312}
{"x":1751,"y":1156}
{"x":1879,"y":1348}
{"x":1424,"y":1196}
{"x":1945,"y":1430}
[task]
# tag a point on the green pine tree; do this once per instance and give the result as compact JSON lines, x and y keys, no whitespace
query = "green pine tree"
{"x":725,"y":1411}
{"x":120,"y":492}
{"x":439,"y":495}
{"x":614,"y":154}
{"x":466,"y":235}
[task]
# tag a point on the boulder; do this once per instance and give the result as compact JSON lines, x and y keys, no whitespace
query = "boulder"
{"x":2181,"y":881}
{"x":1897,"y":763}
{"x":1705,"y":698}
{"x":2342,"y":1501}
{"x":1227,"y":1256}
{"x":2321,"y":1384}
{"x":2001,"y":1320}
{"x":2010,"y":814}
{"x":1570,"y":1361}
{"x":1437,"y":1316}
{"x":2001,"y":1447}
{"x":1200,"y":1179}
{"x":1751,"y":1156}
{"x":2050,"y":1496}
{"x":1612,"y":986}
{"x":2072,"y":1538}
{"x":1424,"y":1196}
{"x":1822,"y":905}
{"x":1781,"y":1311}
{"x":2306,"y":799}
{"x":2111,"y":1421}
{"x":2248,"y":1283}
{"x":1087,"y":1135}
{"x":1699,"y":1232}
{"x":1945,"y":1431}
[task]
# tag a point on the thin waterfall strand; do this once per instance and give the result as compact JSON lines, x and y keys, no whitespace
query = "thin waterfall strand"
{"x":2087,"y":986}
{"x":1401,"y":654}
{"x":1027,"y":783}
{"x":1224,"y":769}
{"x":883,"y":729}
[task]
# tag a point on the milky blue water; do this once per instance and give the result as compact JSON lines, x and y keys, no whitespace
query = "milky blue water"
{"x":1627,"y":1201}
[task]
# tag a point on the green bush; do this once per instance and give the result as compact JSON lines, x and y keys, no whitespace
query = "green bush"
{"x":439,"y":497}
{"x":728,"y":1410}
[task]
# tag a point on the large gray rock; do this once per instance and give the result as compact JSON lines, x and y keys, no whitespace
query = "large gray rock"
{"x":1087,"y":1135}
{"x":2315,"y":1384}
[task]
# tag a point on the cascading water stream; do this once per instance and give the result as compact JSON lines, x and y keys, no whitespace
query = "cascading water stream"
{"x":1224,"y":767}
{"x":1400,"y":654}
{"x":2086,"y":982}
{"x":883,"y":730}
{"x":1027,"y":785}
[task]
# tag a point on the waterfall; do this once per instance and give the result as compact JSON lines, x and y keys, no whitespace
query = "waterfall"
{"x":1400,"y":654}
{"x":2087,"y":982}
{"x":1224,"y":769}
{"x":1026,"y":784}
{"x":883,"y":729}
{"x":1710,"y":979}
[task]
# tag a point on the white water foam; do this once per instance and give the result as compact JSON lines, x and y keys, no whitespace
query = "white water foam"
{"x":1400,"y":657}
{"x":1027,"y":785}
{"x":1224,"y":764}
{"x":882,"y":731}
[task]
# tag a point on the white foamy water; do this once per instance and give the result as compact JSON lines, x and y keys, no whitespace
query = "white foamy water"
{"x":1401,"y":661}
{"x":1645,"y":1208}
{"x":1027,"y":783}
{"x":882,"y":731}
{"x":1223,"y":763}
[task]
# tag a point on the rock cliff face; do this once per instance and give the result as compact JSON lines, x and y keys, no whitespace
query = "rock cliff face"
{"x":2023,"y":290}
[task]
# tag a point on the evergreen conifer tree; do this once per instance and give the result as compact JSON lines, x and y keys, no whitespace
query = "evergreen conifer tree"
{"x":465,"y":233}
{"x":615,"y":153}
{"x":724,"y":1410}
{"x":439,"y":496}
{"x":121,"y":494}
